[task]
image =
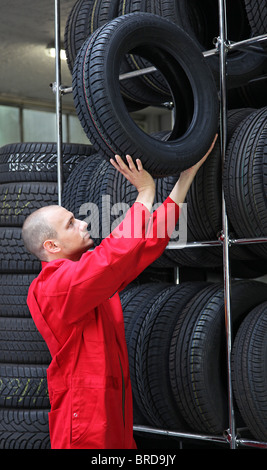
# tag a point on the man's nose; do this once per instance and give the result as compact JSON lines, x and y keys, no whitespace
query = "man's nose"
{"x":83,"y":224}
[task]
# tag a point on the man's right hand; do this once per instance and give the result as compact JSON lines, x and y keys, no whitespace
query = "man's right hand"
{"x":138,"y":177}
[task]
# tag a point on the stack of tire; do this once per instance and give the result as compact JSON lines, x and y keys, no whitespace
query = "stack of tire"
{"x":177,"y":354}
{"x":174,"y":333}
{"x":28,"y":181}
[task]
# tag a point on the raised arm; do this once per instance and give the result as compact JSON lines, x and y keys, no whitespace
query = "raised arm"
{"x":185,"y":180}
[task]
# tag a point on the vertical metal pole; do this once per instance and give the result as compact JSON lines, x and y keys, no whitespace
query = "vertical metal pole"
{"x":176,"y":275}
{"x":226,"y":266}
{"x":58,"y":101}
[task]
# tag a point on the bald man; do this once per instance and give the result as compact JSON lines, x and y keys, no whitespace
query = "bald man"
{"x":75,"y":304}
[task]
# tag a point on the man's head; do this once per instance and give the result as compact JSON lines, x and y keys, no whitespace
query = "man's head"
{"x":52,"y":232}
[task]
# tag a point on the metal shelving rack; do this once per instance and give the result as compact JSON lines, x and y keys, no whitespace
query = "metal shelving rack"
{"x":222,"y":47}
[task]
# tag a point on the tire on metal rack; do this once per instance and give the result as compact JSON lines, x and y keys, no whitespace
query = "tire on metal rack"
{"x":102,"y":112}
{"x":78,"y":27}
{"x":154,"y":81}
{"x":244,"y":180}
{"x":136,"y":311}
{"x":152,"y":355}
{"x":134,"y":300}
{"x":198,"y":353}
{"x":204,"y":213}
{"x":249,"y":371}
{"x":257,"y":16}
{"x":86,"y":17}
{"x":201,"y":21}
{"x":82,"y":194}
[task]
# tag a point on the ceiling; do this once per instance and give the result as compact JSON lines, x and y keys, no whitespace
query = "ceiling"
{"x":26,"y":28}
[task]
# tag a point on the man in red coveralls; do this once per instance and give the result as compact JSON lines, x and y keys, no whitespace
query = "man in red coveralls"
{"x":75,"y":305}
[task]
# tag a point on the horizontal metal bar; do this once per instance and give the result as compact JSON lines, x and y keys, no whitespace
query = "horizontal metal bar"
{"x":241,"y":241}
{"x":244,"y":241}
{"x":180,"y":246}
{"x":65,"y":89}
{"x":202,"y":437}
{"x":210,"y":52}
{"x":136,"y":73}
{"x":246,"y":42}
{"x":230,"y":46}
{"x":251,"y":443}
{"x":165,"y":432}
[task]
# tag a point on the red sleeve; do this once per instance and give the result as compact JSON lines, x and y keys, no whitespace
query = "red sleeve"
{"x":157,"y":234}
{"x":137,"y":241}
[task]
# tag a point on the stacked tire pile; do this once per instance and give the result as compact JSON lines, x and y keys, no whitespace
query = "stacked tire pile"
{"x":175,"y":334}
{"x":177,"y":355}
{"x":28,"y":181}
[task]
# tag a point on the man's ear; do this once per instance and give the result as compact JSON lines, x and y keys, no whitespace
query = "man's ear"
{"x":51,"y":246}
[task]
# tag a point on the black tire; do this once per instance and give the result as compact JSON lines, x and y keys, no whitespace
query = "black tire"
{"x":198,"y":353}
{"x":154,"y":81}
{"x":204,"y":205}
{"x":82,"y":189}
{"x":198,"y":225}
{"x":13,"y":297}
{"x":86,"y":17}
{"x":100,"y":106}
{"x":21,"y":342}
{"x":257,"y":16}
{"x":134,"y":300}
{"x":251,"y":95}
{"x":152,"y":357}
{"x":24,"y":429}
{"x":23,"y":386}
{"x":138,"y":309}
{"x":245,"y":182}
{"x":37,"y":162}
{"x":13,"y":256}
{"x":21,"y":199}
{"x":200,"y":19}
{"x":78,"y":27}
{"x":249,"y":371}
